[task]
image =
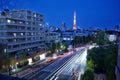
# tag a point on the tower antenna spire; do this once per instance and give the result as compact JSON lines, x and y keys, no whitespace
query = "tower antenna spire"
{"x":74,"y":22}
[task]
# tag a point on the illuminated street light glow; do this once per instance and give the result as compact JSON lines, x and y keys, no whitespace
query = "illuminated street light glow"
{"x":30,"y":61}
{"x":54,"y":56}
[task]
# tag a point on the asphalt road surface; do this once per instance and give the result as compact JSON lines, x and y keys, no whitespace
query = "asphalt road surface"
{"x":61,"y":69}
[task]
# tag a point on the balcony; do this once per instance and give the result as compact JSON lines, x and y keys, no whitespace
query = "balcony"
{"x":14,"y":24}
{"x":22,"y":47}
{"x":23,"y":42}
{"x":13,"y":17}
{"x":18,"y":36}
{"x":15,"y":30}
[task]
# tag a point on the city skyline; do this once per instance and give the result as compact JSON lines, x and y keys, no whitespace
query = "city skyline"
{"x":102,"y":14}
{"x":57,"y":40}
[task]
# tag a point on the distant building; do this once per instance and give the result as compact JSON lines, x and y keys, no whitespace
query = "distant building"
{"x":22,"y":30}
{"x":63,"y":26}
{"x":51,"y":37}
{"x":69,"y":35}
{"x":112,"y":35}
{"x":116,"y":27}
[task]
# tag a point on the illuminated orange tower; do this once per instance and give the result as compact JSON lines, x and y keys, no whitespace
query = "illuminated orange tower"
{"x":74,"y":22}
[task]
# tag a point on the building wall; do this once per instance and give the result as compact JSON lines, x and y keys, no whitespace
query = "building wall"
{"x":52,"y":37}
{"x":22,"y":30}
{"x":118,"y":63}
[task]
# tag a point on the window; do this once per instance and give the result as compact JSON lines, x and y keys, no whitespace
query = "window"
{"x":32,"y":34}
{"x":21,"y":34}
{"x":20,"y":22}
{"x":15,"y":40}
{"x":14,"y":34}
{"x":1,"y":20}
{"x":28,"y":49}
{"x":35,"y":15}
{"x":9,"y":21}
{"x":40,"y":24}
{"x":2,"y":27}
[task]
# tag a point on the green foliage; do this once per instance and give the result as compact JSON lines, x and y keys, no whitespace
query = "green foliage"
{"x":21,"y":56}
{"x":82,"y":40}
{"x":111,"y":61}
{"x":88,"y":75}
{"x":101,"y":38}
{"x":4,"y":62}
{"x":58,"y":46}
{"x":90,"y":65}
{"x":77,"y":40}
{"x":53,"y":48}
{"x":103,"y":59}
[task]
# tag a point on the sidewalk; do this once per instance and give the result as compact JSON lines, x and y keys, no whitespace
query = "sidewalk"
{"x":33,"y":68}
{"x":28,"y":69}
{"x":37,"y":65}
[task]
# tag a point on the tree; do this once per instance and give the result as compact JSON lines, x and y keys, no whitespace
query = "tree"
{"x":4,"y":58}
{"x":53,"y":49}
{"x":58,"y":46}
{"x":101,"y":38}
{"x":111,"y":61}
{"x":103,"y":59}
{"x":77,"y":40}
{"x":90,"y":65}
{"x":21,"y":56}
{"x":97,"y":55}
{"x":88,"y":75}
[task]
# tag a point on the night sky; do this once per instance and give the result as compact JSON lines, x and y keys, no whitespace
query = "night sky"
{"x":90,"y":13}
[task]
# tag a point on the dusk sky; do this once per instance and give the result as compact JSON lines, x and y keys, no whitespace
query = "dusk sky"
{"x":90,"y":13}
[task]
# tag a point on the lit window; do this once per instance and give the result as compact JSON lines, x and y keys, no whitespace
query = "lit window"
{"x":34,"y":15}
{"x":14,"y":34}
{"x":40,"y":24}
{"x":68,"y":38}
{"x":21,"y":34}
{"x":64,"y":38}
{"x":28,"y":49}
{"x":20,"y":22}
{"x":9,"y":21}
{"x":5,"y":50}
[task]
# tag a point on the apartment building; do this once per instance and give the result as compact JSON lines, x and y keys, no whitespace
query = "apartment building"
{"x":22,"y":30}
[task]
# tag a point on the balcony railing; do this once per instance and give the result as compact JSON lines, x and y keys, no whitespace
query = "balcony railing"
{"x":15,"y":30}
{"x":22,"y":47}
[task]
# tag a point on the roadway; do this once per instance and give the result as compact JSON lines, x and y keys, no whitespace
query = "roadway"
{"x":73,"y":68}
{"x":61,"y":63}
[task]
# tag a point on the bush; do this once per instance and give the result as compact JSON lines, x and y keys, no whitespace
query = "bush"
{"x":88,"y":75}
{"x":22,"y":64}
